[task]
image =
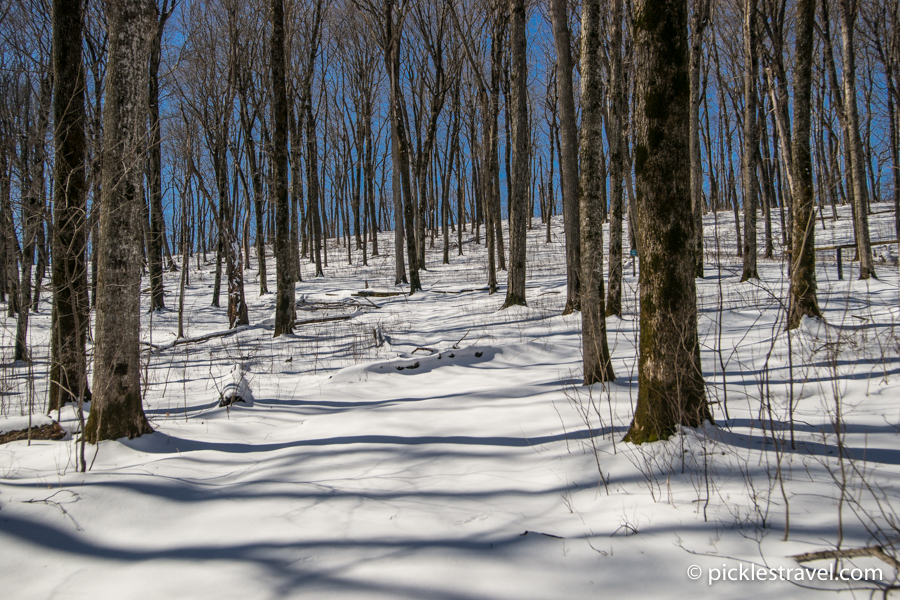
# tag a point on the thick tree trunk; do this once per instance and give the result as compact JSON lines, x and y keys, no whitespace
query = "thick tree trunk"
{"x":568,"y":153}
{"x":68,"y":368}
{"x":116,"y":409}
{"x":520,"y":175}
{"x":670,"y":382}
{"x":595,"y":349}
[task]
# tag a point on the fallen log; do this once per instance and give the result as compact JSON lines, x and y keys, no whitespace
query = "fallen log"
{"x":869,"y":551}
{"x":48,"y":431}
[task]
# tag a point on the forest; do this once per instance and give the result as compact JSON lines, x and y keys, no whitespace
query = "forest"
{"x":345,"y":295}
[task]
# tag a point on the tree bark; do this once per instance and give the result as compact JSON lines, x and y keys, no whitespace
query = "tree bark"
{"x":401,"y":144}
{"x":699,"y":21}
{"x":116,"y":409}
{"x":849,"y":11}
{"x":568,"y":153}
{"x":70,"y":318}
{"x":157,"y":222}
{"x":751,"y":141}
{"x":518,"y":200}
{"x":615,"y":127}
{"x":803,"y":257}
{"x":595,"y":349}
{"x":670,"y":382}
{"x":284,"y":301}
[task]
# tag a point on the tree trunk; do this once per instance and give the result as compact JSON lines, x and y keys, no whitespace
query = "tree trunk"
{"x":312,"y":186}
{"x":157,"y":223}
{"x":284,"y":301}
{"x":615,"y":128}
{"x":670,"y":382}
{"x":803,"y":300}
{"x":256,"y":180}
{"x":595,"y":349}
{"x":748,"y":164}
{"x":520,"y":175}
{"x":849,"y":11}
{"x":568,"y":153}
{"x":401,"y":154}
{"x":116,"y":409}
{"x":70,"y":318}
{"x":699,"y":20}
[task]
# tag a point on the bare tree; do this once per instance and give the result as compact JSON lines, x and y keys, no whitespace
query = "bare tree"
{"x":670,"y":383}
{"x":803,"y":257}
{"x":615,"y":133}
{"x":284,"y":301}
{"x":518,"y":200}
{"x":849,"y":10}
{"x":116,"y":409}
{"x":751,"y":139}
{"x":157,"y":231}
{"x":595,"y":349}
{"x":568,"y":152}
{"x":70,"y":318}
{"x":699,"y":20}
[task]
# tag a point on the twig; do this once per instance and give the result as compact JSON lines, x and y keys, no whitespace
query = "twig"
{"x":58,"y":505}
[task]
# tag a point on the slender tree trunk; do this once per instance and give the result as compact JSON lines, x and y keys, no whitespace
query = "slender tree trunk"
{"x":803,"y":258}
{"x":568,"y":153}
{"x":157,"y":222}
{"x":312,"y":187}
{"x":615,"y":128}
{"x":595,"y":349}
{"x":284,"y":301}
{"x":670,"y":381}
{"x":10,"y":244}
{"x":401,"y":156}
{"x":699,"y":20}
{"x":849,"y":11}
{"x":748,"y":164}
{"x":520,"y":175}
{"x":256,"y":180}
{"x":116,"y":409}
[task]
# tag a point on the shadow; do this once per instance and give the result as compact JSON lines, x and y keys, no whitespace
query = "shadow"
{"x":154,"y":443}
{"x":286,"y":576}
{"x":884,"y":456}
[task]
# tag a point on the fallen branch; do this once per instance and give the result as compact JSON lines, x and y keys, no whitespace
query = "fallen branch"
{"x":325,"y":319}
{"x":50,"y":431}
{"x":373,"y":294}
{"x":456,"y":345}
{"x":199,"y":338}
{"x":870,"y":551}
{"x":432,"y":350}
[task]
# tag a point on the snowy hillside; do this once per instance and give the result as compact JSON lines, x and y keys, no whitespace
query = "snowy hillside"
{"x":434,"y":446}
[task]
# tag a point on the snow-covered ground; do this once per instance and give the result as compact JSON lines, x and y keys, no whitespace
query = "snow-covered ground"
{"x":461,"y":458}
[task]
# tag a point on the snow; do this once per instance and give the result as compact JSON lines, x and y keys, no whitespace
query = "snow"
{"x":482,"y":468}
